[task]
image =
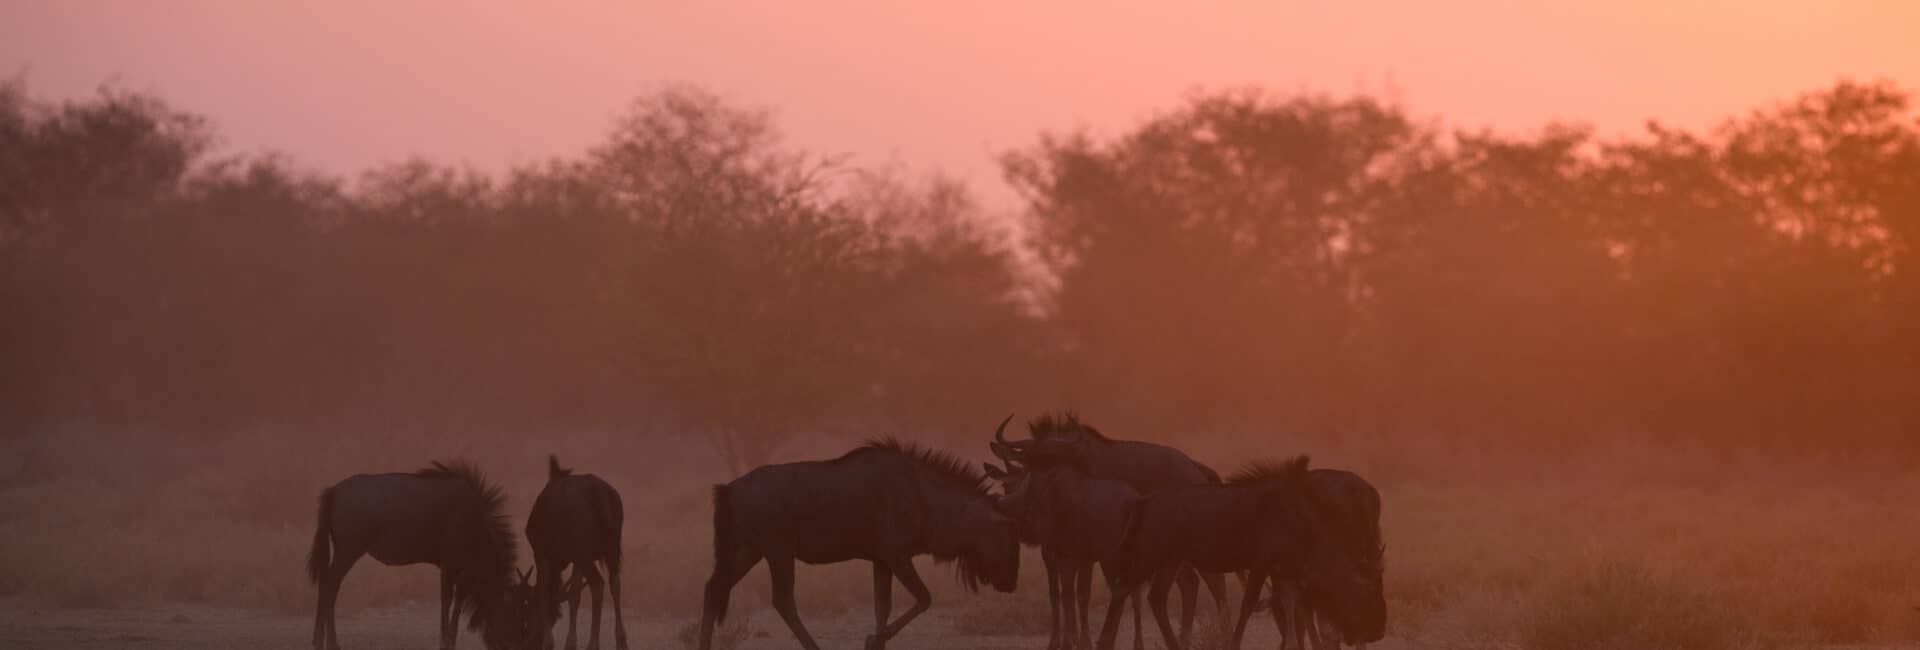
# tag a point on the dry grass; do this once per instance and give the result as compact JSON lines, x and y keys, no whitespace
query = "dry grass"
{"x":726,"y":636}
{"x":1605,"y":549}
{"x":1008,"y":616}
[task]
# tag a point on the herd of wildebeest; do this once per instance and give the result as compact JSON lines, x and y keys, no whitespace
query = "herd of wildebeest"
{"x":1149,"y":515}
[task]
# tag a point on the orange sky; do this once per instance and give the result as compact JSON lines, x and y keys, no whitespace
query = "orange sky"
{"x":345,"y":85}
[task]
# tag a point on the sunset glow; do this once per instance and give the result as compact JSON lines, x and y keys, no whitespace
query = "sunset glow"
{"x":941,"y":85}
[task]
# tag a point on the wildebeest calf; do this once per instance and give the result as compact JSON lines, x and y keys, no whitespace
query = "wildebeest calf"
{"x":447,"y":515}
{"x":884,"y":502}
{"x":576,"y":523}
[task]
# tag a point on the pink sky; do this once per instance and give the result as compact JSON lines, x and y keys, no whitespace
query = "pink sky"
{"x":346,"y":85}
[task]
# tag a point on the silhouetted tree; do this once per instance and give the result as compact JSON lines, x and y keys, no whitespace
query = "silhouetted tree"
{"x":1242,"y":263}
{"x":1203,"y":258}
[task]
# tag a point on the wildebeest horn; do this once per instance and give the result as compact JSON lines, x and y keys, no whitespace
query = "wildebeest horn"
{"x":1000,"y":432}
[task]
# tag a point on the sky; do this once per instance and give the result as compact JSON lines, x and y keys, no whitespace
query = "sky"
{"x":343,"y":86}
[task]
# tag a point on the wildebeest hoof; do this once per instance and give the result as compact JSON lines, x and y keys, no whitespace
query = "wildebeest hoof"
{"x":874,"y":642}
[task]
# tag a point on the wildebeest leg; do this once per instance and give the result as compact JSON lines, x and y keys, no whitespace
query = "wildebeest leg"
{"x":1315,"y":634}
{"x":1251,"y":583}
{"x":453,"y":617}
{"x":572,"y":592}
{"x":903,"y":569}
{"x":726,"y":574}
{"x":549,"y":592}
{"x":619,"y":627}
{"x":781,"y":567}
{"x":1119,"y":595}
{"x":1068,"y":580}
{"x":1288,"y":602}
{"x":1138,"y":594}
{"x":1083,"y":593}
{"x":1281,"y":607}
{"x":1111,"y":626}
{"x":323,"y":624}
{"x":1190,"y":599}
{"x":1055,"y":566}
{"x":576,"y":586}
{"x":1217,"y":587}
{"x":882,"y":596}
{"x":599,"y":588}
{"x":1157,"y":598}
{"x":446,"y":598}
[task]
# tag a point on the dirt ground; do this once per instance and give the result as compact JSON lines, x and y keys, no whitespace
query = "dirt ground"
{"x":412,"y":628}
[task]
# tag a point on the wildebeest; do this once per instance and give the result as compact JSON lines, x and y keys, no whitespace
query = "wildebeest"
{"x":1145,"y":466}
{"x":886,"y":502}
{"x":1077,"y":521}
{"x":1353,"y":507}
{"x":576,"y":522}
{"x":447,"y":515}
{"x":1262,"y":521}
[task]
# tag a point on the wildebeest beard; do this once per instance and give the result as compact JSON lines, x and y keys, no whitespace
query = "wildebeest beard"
{"x":965,"y":571}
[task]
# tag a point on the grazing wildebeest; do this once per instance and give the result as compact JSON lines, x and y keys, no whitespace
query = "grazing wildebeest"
{"x":1077,"y":521}
{"x":1352,"y":506}
{"x":1262,"y":521}
{"x":447,"y":515}
{"x":886,"y":502}
{"x":576,"y":523}
{"x":1145,"y":466}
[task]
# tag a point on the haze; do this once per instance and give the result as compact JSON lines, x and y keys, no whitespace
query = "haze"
{"x":343,"y":86}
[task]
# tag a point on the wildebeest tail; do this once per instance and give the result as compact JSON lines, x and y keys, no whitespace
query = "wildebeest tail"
{"x":320,"y":557}
{"x":609,"y":510}
{"x":724,"y":549}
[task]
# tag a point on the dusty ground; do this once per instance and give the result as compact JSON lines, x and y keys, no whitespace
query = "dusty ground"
{"x":23,"y":626}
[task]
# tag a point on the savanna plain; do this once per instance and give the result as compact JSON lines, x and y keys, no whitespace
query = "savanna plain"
{"x":118,"y":542}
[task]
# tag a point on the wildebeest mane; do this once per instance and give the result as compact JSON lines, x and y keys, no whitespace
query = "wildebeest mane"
{"x":1063,"y":422}
{"x":1263,"y":470}
{"x":479,"y":583}
{"x":943,"y":464}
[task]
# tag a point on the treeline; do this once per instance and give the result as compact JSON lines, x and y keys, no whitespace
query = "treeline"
{"x":1243,"y":263}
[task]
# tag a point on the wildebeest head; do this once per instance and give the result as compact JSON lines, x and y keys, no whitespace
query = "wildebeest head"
{"x":505,"y":618}
{"x":988,"y":550}
{"x":1013,"y":488}
{"x":1347,"y":582}
{"x":1343,"y":583}
{"x":1012,"y":500}
{"x":1059,"y":433}
{"x":531,"y":625}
